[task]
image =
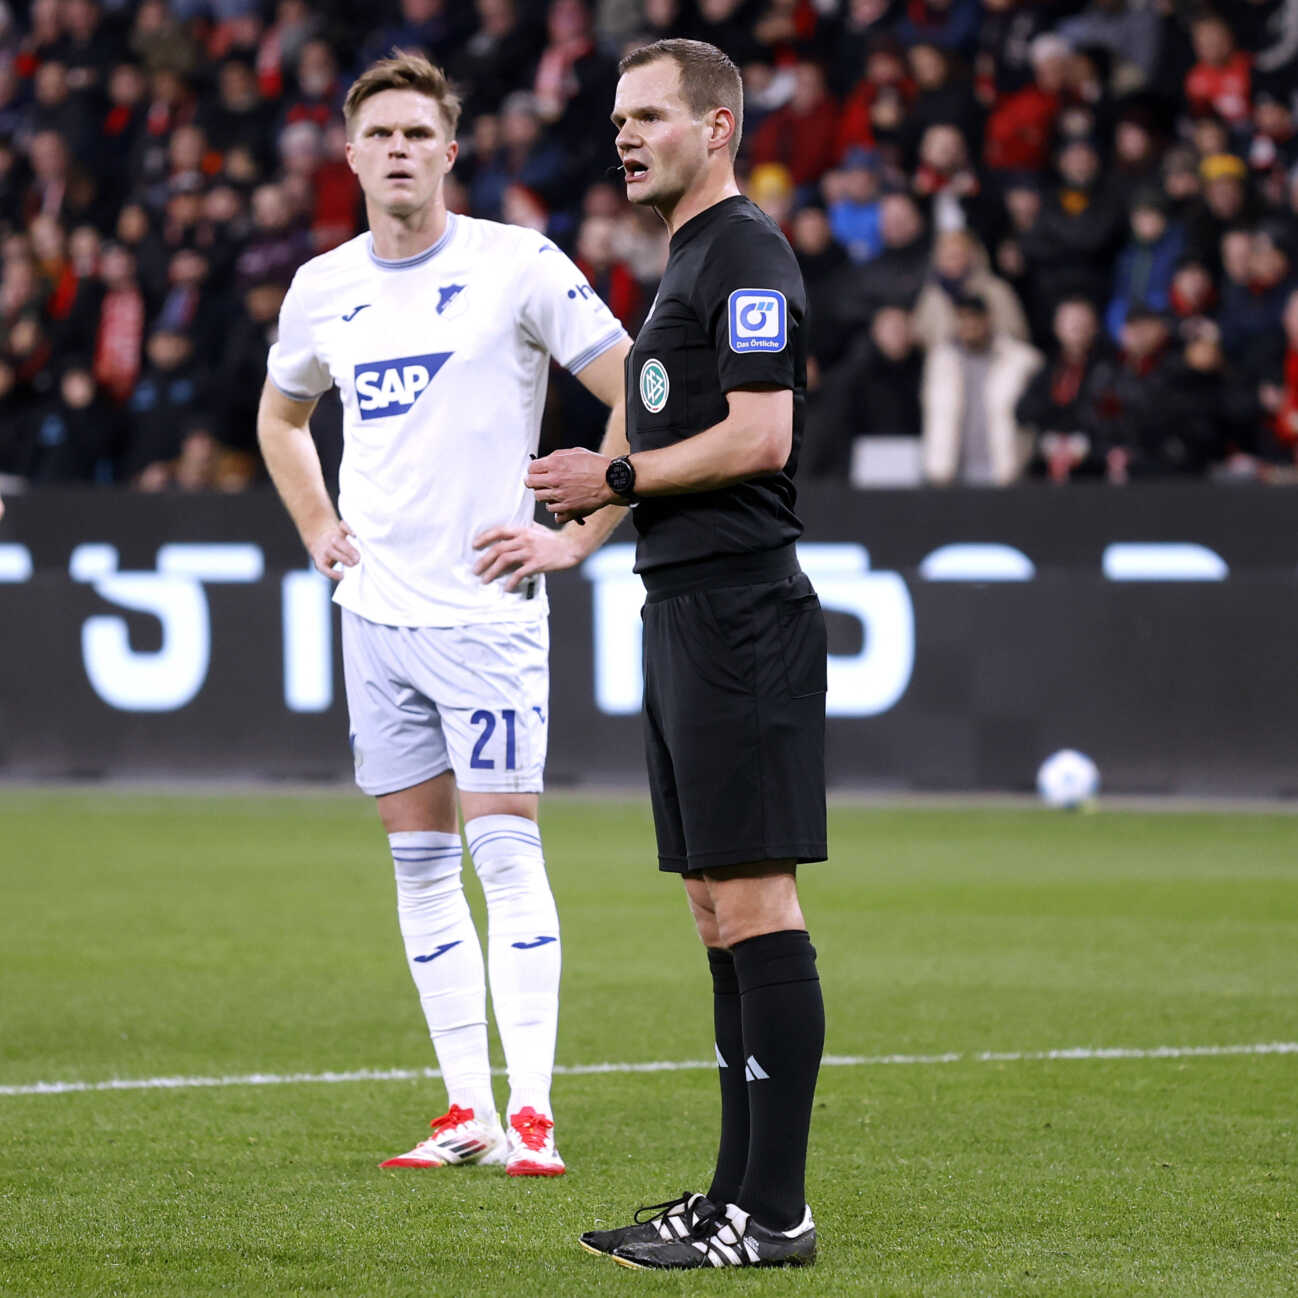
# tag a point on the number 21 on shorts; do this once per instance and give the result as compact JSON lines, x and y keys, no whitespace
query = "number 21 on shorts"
{"x":487,"y":720}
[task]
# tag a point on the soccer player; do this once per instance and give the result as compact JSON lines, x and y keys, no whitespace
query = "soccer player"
{"x":438,"y":332}
{"x":734,"y":641}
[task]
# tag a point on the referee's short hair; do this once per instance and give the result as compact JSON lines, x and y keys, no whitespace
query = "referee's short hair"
{"x":404,"y":70}
{"x":708,"y":78}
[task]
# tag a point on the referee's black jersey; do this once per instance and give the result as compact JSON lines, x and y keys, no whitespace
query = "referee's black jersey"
{"x":729,"y":314}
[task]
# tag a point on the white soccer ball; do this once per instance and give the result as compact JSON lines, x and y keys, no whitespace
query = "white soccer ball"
{"x":1068,"y":779}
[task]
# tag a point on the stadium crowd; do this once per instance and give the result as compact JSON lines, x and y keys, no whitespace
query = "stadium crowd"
{"x":1051,"y":238}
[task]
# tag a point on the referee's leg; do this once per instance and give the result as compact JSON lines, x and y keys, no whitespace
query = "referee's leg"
{"x":749,"y":918}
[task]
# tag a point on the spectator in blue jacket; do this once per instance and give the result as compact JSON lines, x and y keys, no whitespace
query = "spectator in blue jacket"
{"x":948,"y":24}
{"x":852,"y":202}
{"x":515,"y":151}
{"x":1146,"y":265}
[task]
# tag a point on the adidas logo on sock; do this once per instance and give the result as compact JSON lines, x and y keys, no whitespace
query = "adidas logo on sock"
{"x":753,"y":1071}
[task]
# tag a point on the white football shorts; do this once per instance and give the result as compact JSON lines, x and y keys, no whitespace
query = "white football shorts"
{"x":470,"y":699}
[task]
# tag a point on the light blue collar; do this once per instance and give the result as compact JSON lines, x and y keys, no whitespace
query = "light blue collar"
{"x":405,"y":263}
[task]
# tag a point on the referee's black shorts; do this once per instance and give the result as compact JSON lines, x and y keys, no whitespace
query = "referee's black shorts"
{"x":734,"y":660}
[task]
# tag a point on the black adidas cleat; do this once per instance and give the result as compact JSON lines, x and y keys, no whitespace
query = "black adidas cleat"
{"x":665,"y":1221}
{"x":727,"y":1237}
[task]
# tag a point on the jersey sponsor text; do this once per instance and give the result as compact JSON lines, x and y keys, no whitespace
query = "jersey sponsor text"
{"x":386,"y":388}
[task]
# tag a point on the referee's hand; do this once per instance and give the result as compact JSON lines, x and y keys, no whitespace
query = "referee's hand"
{"x":522,"y":552}
{"x":570,"y":483}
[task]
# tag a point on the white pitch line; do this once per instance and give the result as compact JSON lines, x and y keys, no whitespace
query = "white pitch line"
{"x":1069,"y":1054}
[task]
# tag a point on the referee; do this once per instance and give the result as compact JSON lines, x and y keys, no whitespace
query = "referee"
{"x":734,"y":641}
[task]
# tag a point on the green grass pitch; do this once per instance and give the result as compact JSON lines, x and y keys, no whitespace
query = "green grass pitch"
{"x":168,"y":936}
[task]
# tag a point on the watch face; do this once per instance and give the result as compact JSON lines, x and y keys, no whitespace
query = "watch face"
{"x":619,"y":476}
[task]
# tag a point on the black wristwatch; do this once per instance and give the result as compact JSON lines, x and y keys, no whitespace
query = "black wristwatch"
{"x":620,"y":476}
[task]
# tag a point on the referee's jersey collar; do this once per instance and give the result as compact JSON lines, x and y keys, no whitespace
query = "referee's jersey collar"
{"x":703,"y":219}
{"x":405,"y":263}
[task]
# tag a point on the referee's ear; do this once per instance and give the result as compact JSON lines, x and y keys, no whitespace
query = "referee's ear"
{"x":722,"y":132}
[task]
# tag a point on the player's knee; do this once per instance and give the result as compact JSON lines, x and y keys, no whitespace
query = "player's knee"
{"x":503,"y":875}
{"x":508,"y":859}
{"x":750,"y":915}
{"x":425,"y":874}
{"x":423,"y":877}
{"x":705,"y":917}
{"x":708,"y":929}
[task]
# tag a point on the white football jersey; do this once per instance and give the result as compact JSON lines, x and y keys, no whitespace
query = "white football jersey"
{"x":441,"y":361}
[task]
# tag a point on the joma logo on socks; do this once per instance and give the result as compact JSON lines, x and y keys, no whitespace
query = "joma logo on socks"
{"x":527,"y":946}
{"x":432,"y":955}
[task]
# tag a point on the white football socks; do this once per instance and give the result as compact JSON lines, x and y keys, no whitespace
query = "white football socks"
{"x":523,"y":951}
{"x":445,"y":961}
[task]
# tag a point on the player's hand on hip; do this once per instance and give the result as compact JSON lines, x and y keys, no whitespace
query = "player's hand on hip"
{"x":522,"y":552}
{"x":331,"y":551}
{"x":570,"y":483}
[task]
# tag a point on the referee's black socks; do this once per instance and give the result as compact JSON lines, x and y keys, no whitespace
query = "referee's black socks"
{"x":783,"y":1019}
{"x":732,"y":1155}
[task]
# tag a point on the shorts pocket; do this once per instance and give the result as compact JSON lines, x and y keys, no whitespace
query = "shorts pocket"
{"x":803,"y":643}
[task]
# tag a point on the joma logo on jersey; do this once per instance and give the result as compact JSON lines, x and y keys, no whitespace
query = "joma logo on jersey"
{"x":758,"y":320}
{"x":386,"y":388}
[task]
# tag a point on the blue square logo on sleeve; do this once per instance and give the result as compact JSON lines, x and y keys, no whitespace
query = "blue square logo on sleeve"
{"x":758,"y":320}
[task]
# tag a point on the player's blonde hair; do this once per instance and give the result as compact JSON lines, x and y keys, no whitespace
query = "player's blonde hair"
{"x":708,"y":78}
{"x":404,"y":70}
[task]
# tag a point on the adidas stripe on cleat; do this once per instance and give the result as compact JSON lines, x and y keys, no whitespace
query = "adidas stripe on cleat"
{"x":729,"y":1237}
{"x":670,"y":1220}
{"x":458,"y":1138}
{"x":530,"y":1147}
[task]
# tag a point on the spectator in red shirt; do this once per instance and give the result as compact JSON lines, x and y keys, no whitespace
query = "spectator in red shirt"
{"x":599,"y":260}
{"x":948,"y":185}
{"x":877,"y":104}
{"x":45,"y":23}
{"x":1220,"y":82}
{"x":1281,"y":400}
{"x":319,"y":182}
{"x":789,"y":29}
{"x":119,"y":334}
{"x":1194,"y":295}
{"x":803,"y":134}
{"x":49,"y":246}
{"x":282,"y":43}
{"x":319,"y":89}
{"x":1020,"y":126}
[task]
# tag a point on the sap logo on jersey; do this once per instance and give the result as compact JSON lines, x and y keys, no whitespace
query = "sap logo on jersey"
{"x":386,"y":388}
{"x":758,"y":320}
